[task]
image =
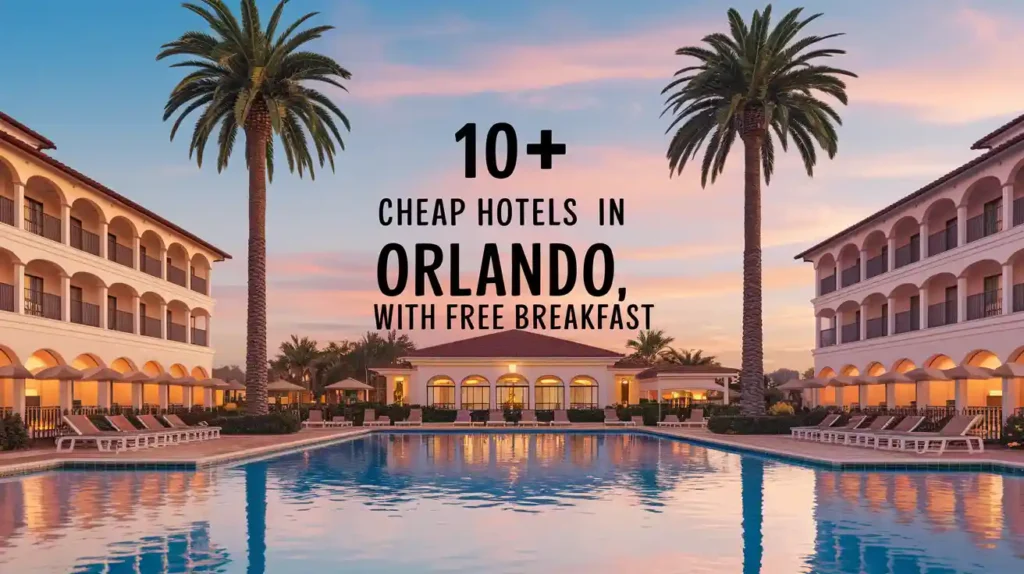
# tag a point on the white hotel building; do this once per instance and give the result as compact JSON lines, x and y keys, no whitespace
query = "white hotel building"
{"x":935,"y":280}
{"x":89,"y":278}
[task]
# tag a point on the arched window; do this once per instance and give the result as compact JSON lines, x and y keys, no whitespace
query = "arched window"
{"x":583,"y":392}
{"x":476,"y":394}
{"x":441,"y":393}
{"x":511,"y":391}
{"x":548,"y":394}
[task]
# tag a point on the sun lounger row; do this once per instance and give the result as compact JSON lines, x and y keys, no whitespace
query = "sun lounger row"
{"x":126,"y":436}
{"x":316,"y":420}
{"x":902,"y":437}
{"x":496,"y":417}
{"x":696,"y":420}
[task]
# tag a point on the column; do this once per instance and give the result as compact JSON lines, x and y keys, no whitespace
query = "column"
{"x":19,"y":397}
{"x":924,"y":395}
{"x":494,"y":398}
{"x":567,"y":394}
{"x":1007,"y":288}
{"x":458,"y":394}
{"x":1007,"y":205}
{"x":923,"y":244}
{"x":65,"y":395}
{"x":137,"y":396}
{"x":163,"y":320}
{"x":862,"y":396}
{"x":163,"y":263}
{"x":891,"y":319}
{"x":922,"y":312}
{"x":961,"y":225}
{"x":891,"y":254}
{"x":725,"y":395}
{"x":164,"y":392}
{"x":961,"y":299}
{"x":65,"y":298}
{"x":960,"y":394}
{"x":135,"y":314}
{"x":839,"y":327}
{"x":103,"y":239}
{"x":65,"y":224}
{"x":103,"y":394}
{"x":863,"y":322}
{"x":890,"y":395}
{"x":1010,"y":397}
{"x":817,"y":281}
{"x":839,"y":396}
{"x":209,"y":337}
{"x":208,"y":398}
{"x":19,"y":205}
{"x":103,"y":305}
{"x":136,"y":252}
{"x":188,"y":339}
{"x":863,"y":264}
{"x":19,"y":287}
{"x":187,"y":396}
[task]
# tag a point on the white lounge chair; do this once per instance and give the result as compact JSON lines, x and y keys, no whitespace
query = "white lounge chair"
{"x":105,"y":441}
{"x":529,"y":418}
{"x":205,"y":431}
{"x":953,"y":431}
{"x":369,"y":419}
{"x":463,"y":418}
{"x":881,"y":439}
{"x":415,"y":419}
{"x":828,"y":435}
{"x":496,"y":418}
{"x":845,"y":437}
{"x":561,"y":419}
{"x":339,"y":421}
{"x":696,"y":419}
{"x":150,"y":423}
{"x":154,"y":437}
{"x":812,"y":432}
{"x":315,"y":420}
{"x":671,"y":421}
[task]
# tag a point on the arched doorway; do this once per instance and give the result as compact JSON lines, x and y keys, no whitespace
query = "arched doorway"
{"x":583,"y":393}
{"x":476,"y":393}
{"x":548,"y":393}
{"x":512,"y":391}
{"x":441,"y":392}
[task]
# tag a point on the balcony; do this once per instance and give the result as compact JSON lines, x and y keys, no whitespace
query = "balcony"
{"x":1018,"y":297}
{"x":121,"y":254}
{"x":6,"y":210}
{"x":151,"y":327}
{"x":827,"y":337}
{"x":198,"y":337}
{"x":6,"y":297}
{"x":942,"y":241}
{"x":941,"y":314}
{"x":84,"y":240}
{"x":828,"y":284}
{"x":851,"y":275}
{"x":40,"y":304}
{"x":84,"y":313}
{"x":122,"y":321}
{"x":199,"y":284}
{"x":907,"y":254}
{"x":985,"y":304}
{"x":906,"y":322}
{"x":176,"y":275}
{"x":150,"y":266}
{"x":877,"y":265}
{"x":979,"y":227}
{"x":877,"y":327}
{"x":43,"y":225}
{"x":851,"y":332}
{"x":176,"y":332}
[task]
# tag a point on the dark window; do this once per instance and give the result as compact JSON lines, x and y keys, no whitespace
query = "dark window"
{"x":111,"y":311}
{"x":993,"y":211}
{"x":951,"y":294}
{"x":76,"y":294}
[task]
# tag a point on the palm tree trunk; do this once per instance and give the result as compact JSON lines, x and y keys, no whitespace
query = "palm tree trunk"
{"x":752,"y":499}
{"x":256,"y":516}
{"x":752,"y":360}
{"x":257,"y":132}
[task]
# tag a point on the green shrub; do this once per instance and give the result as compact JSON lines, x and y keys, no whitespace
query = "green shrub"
{"x":754,"y":425}
{"x":781,"y":409}
{"x":13,"y":434}
{"x":273,"y":423}
{"x":1013,"y":432}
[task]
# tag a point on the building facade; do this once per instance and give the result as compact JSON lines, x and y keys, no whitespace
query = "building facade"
{"x":522,"y":369}
{"x":88,"y":278}
{"x":934,"y":280}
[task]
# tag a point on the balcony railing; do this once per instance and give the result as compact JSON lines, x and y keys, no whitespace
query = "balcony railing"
{"x":151,"y":327}
{"x":120,"y":254}
{"x":877,"y":327}
{"x":199,"y":285}
{"x":941,"y":314}
{"x":6,"y":210}
{"x":122,"y":321}
{"x":985,"y":304}
{"x":979,"y":226}
{"x":40,"y":304}
{"x":827,"y":337}
{"x":851,"y":332}
{"x":906,"y":322}
{"x":942,"y":241}
{"x":851,"y":275}
{"x":6,"y":297}
{"x":176,"y":332}
{"x":877,"y":265}
{"x":43,"y":224}
{"x":828,"y":284}
{"x":907,"y":254}
{"x":84,"y":313}
{"x":1018,"y":211}
{"x":85,"y":240}
{"x":176,"y":275}
{"x":150,"y":265}
{"x":198,"y":337}
{"x":1018,"y":297}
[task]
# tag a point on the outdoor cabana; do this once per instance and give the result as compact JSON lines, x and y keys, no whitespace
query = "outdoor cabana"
{"x":234,"y":392}
{"x":284,"y":393}
{"x":341,"y":388}
{"x":687,"y":383}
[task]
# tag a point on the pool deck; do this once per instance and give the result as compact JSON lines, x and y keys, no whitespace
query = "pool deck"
{"x":230,"y":449}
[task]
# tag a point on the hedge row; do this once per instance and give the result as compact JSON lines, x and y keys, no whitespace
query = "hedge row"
{"x":1013,"y":432}
{"x":768,"y":424}
{"x":13,"y":434}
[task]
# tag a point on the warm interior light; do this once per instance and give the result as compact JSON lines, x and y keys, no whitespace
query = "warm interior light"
{"x":511,"y":367}
{"x":625,"y":382}
{"x":996,"y":393}
{"x":31,"y":392}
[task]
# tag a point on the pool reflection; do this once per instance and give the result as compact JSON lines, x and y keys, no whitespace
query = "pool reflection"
{"x":483,"y":502}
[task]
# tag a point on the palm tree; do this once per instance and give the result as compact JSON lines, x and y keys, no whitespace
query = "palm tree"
{"x":254,"y":78}
{"x":649,"y":344}
{"x":298,"y":359}
{"x":695,"y":358}
{"x":759,"y":83}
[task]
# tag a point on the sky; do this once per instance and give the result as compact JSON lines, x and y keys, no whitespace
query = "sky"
{"x":930,"y":83}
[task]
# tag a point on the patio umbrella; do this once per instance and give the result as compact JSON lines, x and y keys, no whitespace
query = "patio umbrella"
{"x":15,"y":372}
{"x":215,"y":383}
{"x":865,"y":380}
{"x":281,"y":386}
{"x":161,"y":378}
{"x":894,"y":377}
{"x":185,"y":381}
{"x":963,"y":372}
{"x":841,"y":381}
{"x":797,"y":385}
{"x":235,"y":386}
{"x":59,"y":373}
{"x":1009,"y":370}
{"x":348,"y":385}
{"x":135,"y":377}
{"x":101,"y":374}
{"x":927,"y":374}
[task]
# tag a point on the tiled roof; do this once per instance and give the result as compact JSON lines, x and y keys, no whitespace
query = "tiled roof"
{"x":24,"y":147}
{"x":685,"y":370}
{"x":46,"y":143}
{"x":983,"y":142}
{"x":524,"y":344}
{"x":917,"y":194}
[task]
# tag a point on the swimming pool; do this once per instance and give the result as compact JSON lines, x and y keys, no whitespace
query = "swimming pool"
{"x":555,"y":502}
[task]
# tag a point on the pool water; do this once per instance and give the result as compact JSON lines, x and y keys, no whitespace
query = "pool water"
{"x":517,"y":502}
